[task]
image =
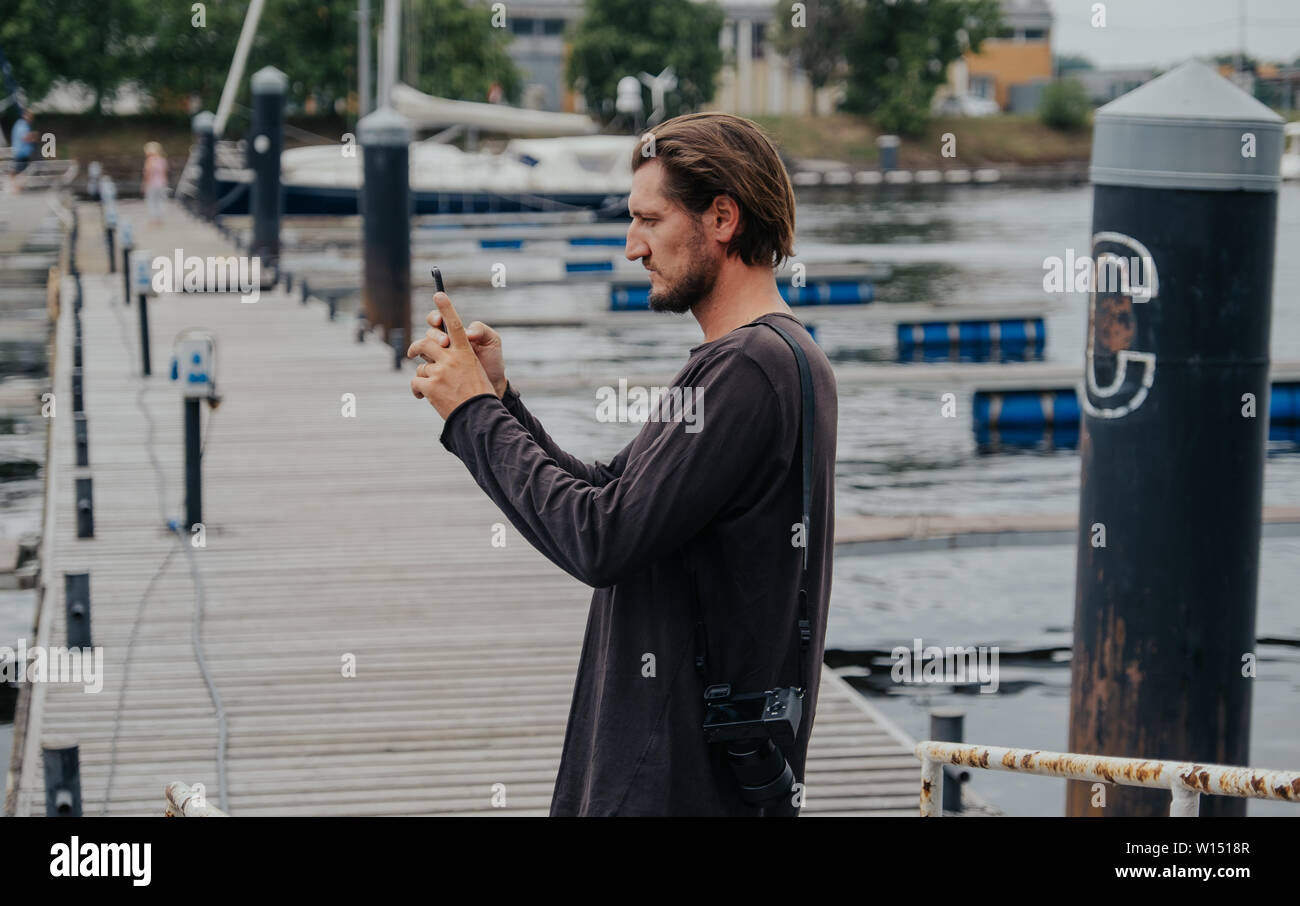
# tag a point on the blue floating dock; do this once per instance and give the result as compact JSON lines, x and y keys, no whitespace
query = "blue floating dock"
{"x":1013,"y":339}
{"x":1029,"y":417}
{"x":625,"y":296}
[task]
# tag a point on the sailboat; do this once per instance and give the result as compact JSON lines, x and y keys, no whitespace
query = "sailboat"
{"x":551,"y":162}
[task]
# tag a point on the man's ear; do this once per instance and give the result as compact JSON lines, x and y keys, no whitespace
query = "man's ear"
{"x":726,"y":212}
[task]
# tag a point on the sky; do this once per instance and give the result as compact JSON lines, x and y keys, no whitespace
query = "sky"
{"x":1158,"y":33}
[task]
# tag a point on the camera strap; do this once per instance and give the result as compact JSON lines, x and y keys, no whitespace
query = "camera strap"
{"x":806,"y":431}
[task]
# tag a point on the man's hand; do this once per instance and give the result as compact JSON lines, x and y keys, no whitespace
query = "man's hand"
{"x":485,"y":342}
{"x":452,"y":373}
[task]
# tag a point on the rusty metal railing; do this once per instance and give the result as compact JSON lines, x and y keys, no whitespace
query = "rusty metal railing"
{"x":182,"y":801}
{"x":1185,"y":781}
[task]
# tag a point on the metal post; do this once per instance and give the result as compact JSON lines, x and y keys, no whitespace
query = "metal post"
{"x":202,"y":126}
{"x":193,"y":466}
{"x":82,"y":438}
{"x":931,"y":788}
{"x":385,"y":138}
{"x":85,"y":508}
{"x":268,"y":87}
{"x":76,"y":601}
{"x":62,"y":779}
{"x":1175,"y":419}
{"x":128,"y":244}
{"x":78,"y":390}
{"x":888,"y":145}
{"x":946,"y":726}
{"x":144,"y":335}
{"x":108,"y":204}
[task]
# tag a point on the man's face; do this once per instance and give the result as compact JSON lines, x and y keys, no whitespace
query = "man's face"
{"x":671,"y":244}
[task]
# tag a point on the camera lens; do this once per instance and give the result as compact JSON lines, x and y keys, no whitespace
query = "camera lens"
{"x":764,"y":775}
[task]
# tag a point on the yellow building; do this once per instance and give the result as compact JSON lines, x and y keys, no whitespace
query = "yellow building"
{"x":1011,"y":68}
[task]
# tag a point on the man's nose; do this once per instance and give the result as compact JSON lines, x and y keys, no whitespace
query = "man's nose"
{"x":635,"y":247}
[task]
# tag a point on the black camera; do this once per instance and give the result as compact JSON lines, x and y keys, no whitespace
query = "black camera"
{"x":751,"y":725}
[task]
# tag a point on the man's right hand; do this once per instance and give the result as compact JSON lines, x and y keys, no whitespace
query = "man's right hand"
{"x":485,"y":342}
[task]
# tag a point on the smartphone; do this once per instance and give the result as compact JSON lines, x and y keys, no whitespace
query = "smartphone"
{"x":437,"y":281}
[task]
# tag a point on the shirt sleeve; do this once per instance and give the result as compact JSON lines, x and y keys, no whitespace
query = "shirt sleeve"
{"x":599,"y":473}
{"x":663,"y":497}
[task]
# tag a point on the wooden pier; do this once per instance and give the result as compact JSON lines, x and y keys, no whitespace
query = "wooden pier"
{"x":329,"y":539}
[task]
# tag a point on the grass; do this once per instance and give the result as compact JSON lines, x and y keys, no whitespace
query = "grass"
{"x":1000,"y":139}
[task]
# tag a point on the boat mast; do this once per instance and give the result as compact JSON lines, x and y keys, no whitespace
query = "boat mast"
{"x":363,"y":56}
{"x":237,"y":66}
{"x":388,"y":58}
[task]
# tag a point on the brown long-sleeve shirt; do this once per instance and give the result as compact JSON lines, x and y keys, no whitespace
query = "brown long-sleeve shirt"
{"x":716,"y":492}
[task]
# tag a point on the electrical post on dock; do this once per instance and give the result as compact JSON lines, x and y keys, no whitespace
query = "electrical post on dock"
{"x":1174,"y":399}
{"x":385,"y":138}
{"x":126,"y":238}
{"x":194,"y":366}
{"x":108,"y":205}
{"x":268,"y":87}
{"x":141,"y":281}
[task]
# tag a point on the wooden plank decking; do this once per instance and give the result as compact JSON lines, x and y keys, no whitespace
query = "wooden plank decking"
{"x":326,"y":537}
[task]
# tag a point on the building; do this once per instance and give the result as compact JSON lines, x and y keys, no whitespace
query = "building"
{"x":1013,"y":67}
{"x":755,"y":80}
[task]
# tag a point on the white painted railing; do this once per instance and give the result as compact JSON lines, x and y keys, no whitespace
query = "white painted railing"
{"x":1185,"y":781}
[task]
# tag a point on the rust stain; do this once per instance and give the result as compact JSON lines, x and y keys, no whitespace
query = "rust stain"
{"x":1115,"y":324}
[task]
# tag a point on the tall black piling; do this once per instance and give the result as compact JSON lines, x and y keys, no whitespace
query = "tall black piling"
{"x":385,"y":138}
{"x":268,"y":87}
{"x":203,"y":126}
{"x":1175,"y":417}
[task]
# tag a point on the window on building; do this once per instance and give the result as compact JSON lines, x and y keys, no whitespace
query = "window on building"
{"x":760,"y":35}
{"x":1035,"y":34}
{"x":552,"y":26}
{"x":981,"y":86}
{"x":521,"y":25}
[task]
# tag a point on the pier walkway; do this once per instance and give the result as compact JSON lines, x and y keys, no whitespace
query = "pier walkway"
{"x":328,"y":541}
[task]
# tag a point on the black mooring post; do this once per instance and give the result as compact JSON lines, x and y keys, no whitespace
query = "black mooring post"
{"x":268,"y":87}
{"x":193,"y":465}
{"x":76,"y":600}
{"x":203,"y":125}
{"x":385,"y":138}
{"x":82,"y":438}
{"x":946,"y":726}
{"x":62,"y":779}
{"x":144,"y":335}
{"x":85,"y":508}
{"x":1175,"y":419}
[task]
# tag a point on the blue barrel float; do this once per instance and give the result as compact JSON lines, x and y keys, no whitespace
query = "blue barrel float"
{"x":1029,"y":417}
{"x":1003,"y":340}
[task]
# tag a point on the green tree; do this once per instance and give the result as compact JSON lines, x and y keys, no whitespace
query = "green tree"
{"x":898,"y":54}
{"x":1065,"y":105}
{"x":617,"y":38}
{"x":95,"y":42}
{"x":813,"y":35}
{"x":464,"y":54}
{"x":1064,"y":63}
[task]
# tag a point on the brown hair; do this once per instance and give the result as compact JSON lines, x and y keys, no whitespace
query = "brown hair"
{"x":710,"y":154}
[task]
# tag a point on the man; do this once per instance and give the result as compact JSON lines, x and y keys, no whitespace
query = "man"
{"x":707,"y":512}
{"x":21,"y":142}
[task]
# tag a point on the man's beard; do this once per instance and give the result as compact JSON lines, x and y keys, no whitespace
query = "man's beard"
{"x":698,"y":282}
